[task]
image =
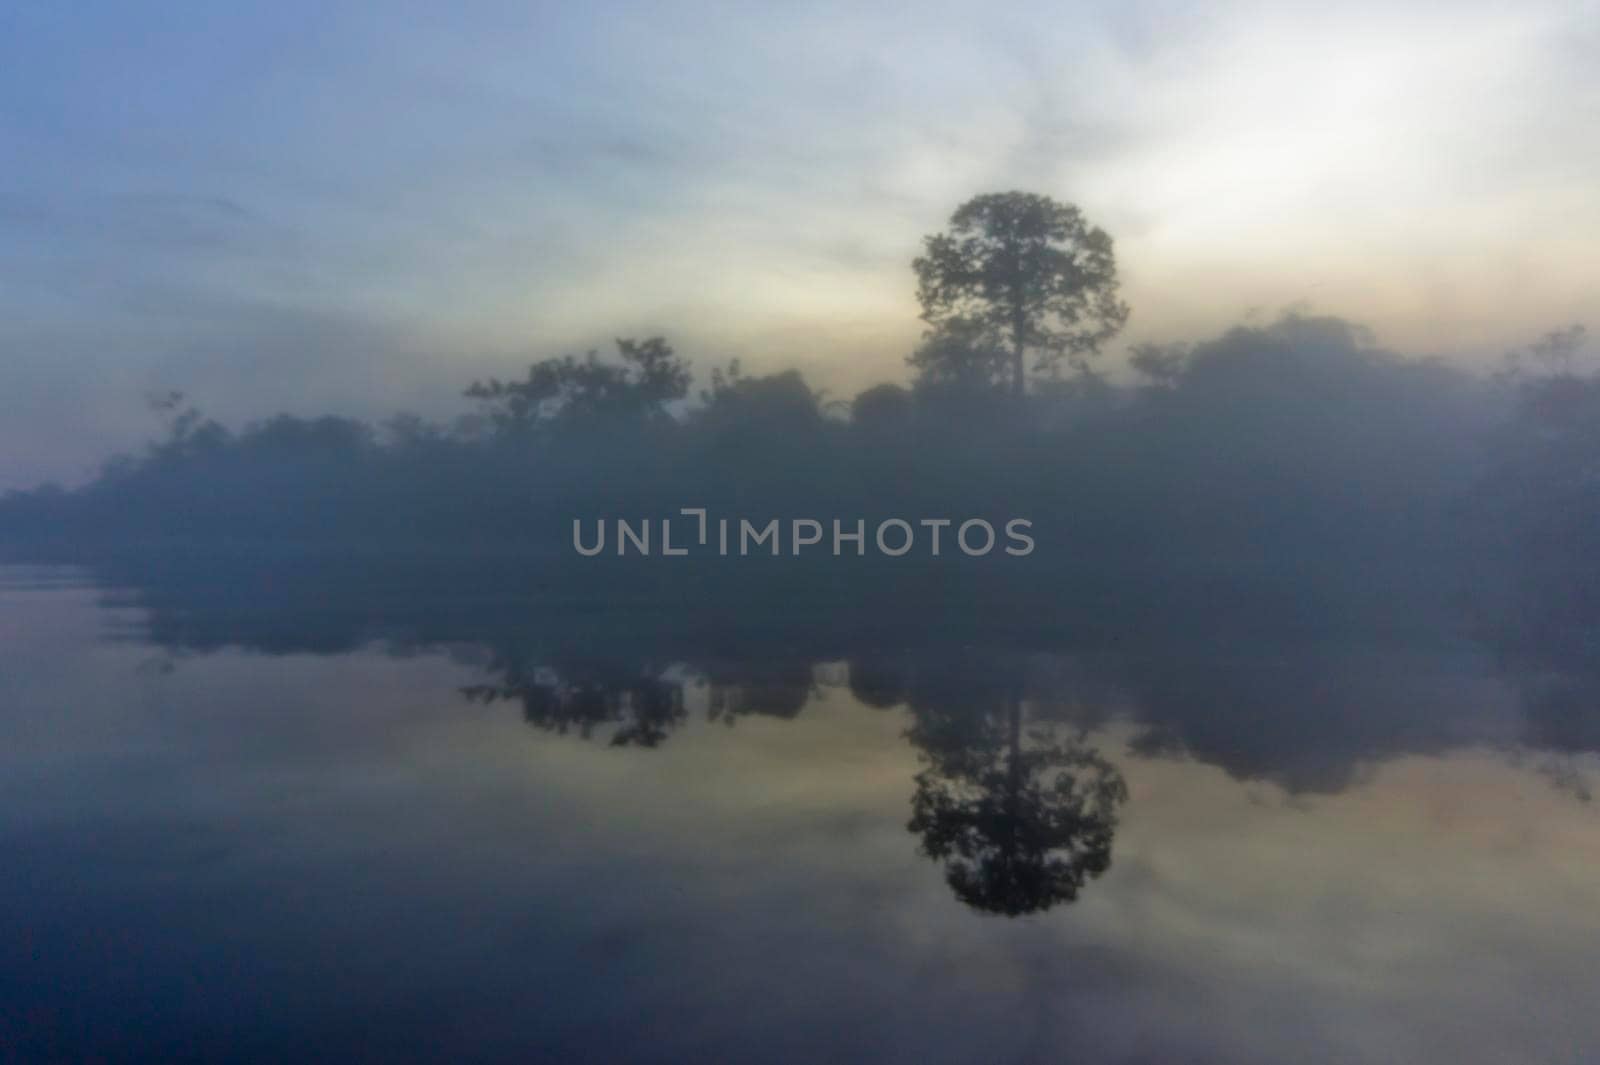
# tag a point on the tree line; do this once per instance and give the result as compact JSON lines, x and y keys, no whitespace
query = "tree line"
{"x":1292,"y":443}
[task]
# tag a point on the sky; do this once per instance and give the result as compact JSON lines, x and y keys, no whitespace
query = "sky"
{"x":360,"y":208}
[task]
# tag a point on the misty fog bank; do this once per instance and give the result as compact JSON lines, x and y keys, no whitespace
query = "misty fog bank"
{"x":1295,"y":448}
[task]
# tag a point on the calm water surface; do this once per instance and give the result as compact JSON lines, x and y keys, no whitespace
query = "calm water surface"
{"x":222,"y":842}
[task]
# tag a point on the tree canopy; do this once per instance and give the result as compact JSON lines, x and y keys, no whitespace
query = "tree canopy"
{"x":1020,"y":273}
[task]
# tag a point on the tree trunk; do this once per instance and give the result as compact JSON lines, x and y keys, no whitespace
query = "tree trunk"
{"x":1017,"y":296}
{"x":1019,"y":366}
{"x":1015,"y":767}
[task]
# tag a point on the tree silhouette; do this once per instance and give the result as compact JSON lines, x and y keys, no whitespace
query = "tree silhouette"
{"x":1020,"y":822}
{"x":885,"y":409}
{"x":638,"y":388}
{"x":1161,"y":365}
{"x":1023,"y":272}
{"x":740,"y":410}
{"x":960,"y":357}
{"x":189,"y":433}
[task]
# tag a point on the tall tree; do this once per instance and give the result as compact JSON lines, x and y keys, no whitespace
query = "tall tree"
{"x":1024,"y":272}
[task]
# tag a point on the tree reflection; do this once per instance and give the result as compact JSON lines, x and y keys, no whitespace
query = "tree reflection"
{"x":1013,"y":803}
{"x":1020,"y":817}
{"x":778,"y":687}
{"x":641,"y":706}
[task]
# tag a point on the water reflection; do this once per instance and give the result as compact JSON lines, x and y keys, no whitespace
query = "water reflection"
{"x":637,"y":706}
{"x":1020,"y":821}
{"x":1011,"y":800}
{"x":407,"y":816}
{"x":1276,"y":682}
{"x":1018,"y":809}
